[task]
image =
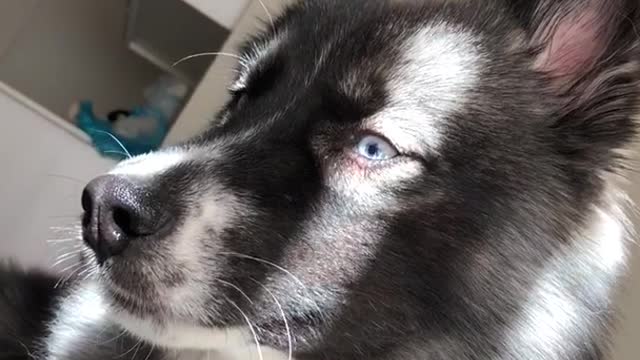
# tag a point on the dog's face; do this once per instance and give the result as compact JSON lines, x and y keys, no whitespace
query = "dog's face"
{"x":385,"y":172}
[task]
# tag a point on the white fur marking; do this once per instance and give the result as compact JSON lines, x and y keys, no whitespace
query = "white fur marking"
{"x":610,"y":246}
{"x":150,"y":164}
{"x":232,"y":343}
{"x":553,"y":321}
{"x":81,"y":311}
{"x":439,"y":67}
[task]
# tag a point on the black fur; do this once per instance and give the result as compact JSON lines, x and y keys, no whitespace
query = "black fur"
{"x":27,"y":302}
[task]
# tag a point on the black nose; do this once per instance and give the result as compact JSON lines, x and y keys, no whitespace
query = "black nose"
{"x":117,"y":212}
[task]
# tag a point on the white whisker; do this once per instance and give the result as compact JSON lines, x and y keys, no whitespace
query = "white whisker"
{"x":237,"y":289}
{"x":128,"y":154}
{"x":68,"y":178}
{"x":62,"y":240}
{"x":65,"y":257}
{"x":284,"y":317}
{"x":85,"y":271}
{"x":117,"y":152}
{"x":150,"y":351}
{"x":112,"y":339}
{"x":63,"y":280}
{"x":63,"y":216}
{"x":251,"y":328}
{"x":214,"y":53}
{"x":140,"y":345}
{"x":26,"y":348}
{"x":266,"y":10}
{"x":280,"y":268}
{"x":130,"y":350}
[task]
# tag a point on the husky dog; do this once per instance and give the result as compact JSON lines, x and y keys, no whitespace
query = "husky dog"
{"x":391,"y":180}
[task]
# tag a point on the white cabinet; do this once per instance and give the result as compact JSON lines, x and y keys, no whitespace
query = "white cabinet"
{"x":44,"y":163}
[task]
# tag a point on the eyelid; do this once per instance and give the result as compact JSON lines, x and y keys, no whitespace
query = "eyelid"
{"x":404,"y":141}
{"x":363,"y":132}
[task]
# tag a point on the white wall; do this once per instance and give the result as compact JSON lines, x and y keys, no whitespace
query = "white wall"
{"x":13,"y":15}
{"x":44,"y":169}
{"x":58,"y":51}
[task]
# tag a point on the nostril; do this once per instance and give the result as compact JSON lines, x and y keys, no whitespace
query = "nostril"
{"x":87,"y":200}
{"x":124,"y":220}
{"x":119,"y":211}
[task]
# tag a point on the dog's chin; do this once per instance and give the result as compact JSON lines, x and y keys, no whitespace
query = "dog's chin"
{"x":181,"y":334}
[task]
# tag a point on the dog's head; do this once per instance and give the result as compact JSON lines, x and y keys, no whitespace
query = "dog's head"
{"x":388,"y":172}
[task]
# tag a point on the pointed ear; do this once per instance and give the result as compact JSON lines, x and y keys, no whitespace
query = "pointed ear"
{"x":589,"y":52}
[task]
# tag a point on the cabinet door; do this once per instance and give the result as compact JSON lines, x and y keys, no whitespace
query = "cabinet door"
{"x":43,"y":169}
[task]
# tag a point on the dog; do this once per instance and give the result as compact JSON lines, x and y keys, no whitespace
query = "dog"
{"x":415,"y":180}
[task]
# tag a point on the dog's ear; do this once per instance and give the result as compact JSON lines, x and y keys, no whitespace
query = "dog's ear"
{"x":589,"y":52}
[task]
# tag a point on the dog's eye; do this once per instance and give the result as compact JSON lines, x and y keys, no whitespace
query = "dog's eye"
{"x":376,"y":148}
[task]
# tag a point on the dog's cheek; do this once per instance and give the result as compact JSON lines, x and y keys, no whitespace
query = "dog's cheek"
{"x":339,"y":243}
{"x":197,"y":247}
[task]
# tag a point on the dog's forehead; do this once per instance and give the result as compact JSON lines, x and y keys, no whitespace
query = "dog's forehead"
{"x":430,"y":73}
{"x":423,"y":69}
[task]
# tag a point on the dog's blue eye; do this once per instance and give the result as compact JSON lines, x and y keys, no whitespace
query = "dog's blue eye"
{"x":375,"y":148}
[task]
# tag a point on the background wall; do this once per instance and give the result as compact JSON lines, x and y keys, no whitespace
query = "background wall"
{"x":57,"y":50}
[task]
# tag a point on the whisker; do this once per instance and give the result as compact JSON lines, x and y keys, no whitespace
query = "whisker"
{"x":251,"y":329}
{"x":85,"y":271}
{"x":213,"y":53}
{"x":65,"y":257}
{"x":63,"y":280}
{"x":237,"y":289}
{"x":150,"y":351}
{"x":130,"y":350}
{"x":66,"y":230}
{"x":76,"y":216}
{"x":137,"y":349}
{"x":26,"y":348}
{"x":112,"y":339}
{"x":62,"y":240}
{"x":284,"y":317}
{"x":117,"y":152}
{"x":69,"y":252}
{"x":280,"y":268}
{"x":68,"y":268}
{"x":127,"y":153}
{"x":69,"y":178}
{"x":266,"y":10}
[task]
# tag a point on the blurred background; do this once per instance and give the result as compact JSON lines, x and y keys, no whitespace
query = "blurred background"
{"x":72,"y":71}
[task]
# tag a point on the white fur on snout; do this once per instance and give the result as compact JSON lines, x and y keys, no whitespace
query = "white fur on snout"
{"x":195,"y":247}
{"x":152,"y":163}
{"x":438,"y":68}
